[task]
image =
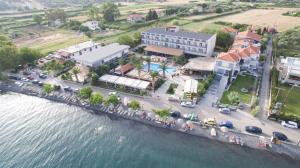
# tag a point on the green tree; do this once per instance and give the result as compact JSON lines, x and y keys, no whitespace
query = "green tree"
{"x":96,"y":98}
{"x":112,"y":99}
{"x":28,"y":56}
{"x":38,"y":19}
{"x":152,"y":15}
{"x":93,"y":13}
{"x":233,"y":98}
{"x":110,"y":11}
{"x":8,"y":57}
{"x":148,"y":60}
{"x":48,"y":88}
{"x":76,"y":71}
{"x":162,"y":112}
{"x":137,"y":38}
{"x":181,"y":60}
{"x":154,"y":75}
{"x":219,"y":10}
{"x":94,"y":78}
{"x":163,"y":67}
{"x":134,"y":104}
{"x":126,"y":40}
{"x":224,"y":40}
{"x":85,"y":93}
{"x":54,"y":14}
{"x":139,"y":68}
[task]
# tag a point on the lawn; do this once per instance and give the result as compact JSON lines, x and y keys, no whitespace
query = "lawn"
{"x":203,"y":25}
{"x":247,"y":82}
{"x":291,"y":105}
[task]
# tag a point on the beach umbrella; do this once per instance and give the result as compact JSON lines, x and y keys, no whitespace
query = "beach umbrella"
{"x":224,"y":129}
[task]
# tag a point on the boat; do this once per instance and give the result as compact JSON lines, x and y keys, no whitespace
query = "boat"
{"x":213,"y":132}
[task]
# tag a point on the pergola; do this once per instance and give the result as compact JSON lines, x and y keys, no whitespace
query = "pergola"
{"x":124,"y":81}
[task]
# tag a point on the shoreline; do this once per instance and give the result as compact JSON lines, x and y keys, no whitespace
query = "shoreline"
{"x":249,"y":141}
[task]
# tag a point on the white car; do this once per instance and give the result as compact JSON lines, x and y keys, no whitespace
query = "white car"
{"x":289,"y":124}
{"x":187,"y":104}
{"x":112,"y":93}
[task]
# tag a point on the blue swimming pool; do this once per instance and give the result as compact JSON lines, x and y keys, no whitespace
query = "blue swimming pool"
{"x":156,"y":67}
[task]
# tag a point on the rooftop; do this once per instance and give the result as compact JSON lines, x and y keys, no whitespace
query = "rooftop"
{"x":129,"y":82}
{"x":248,"y":35}
{"x":200,"y":64}
{"x":164,"y":50}
{"x":101,"y":52}
{"x":180,"y":33}
{"x":79,"y":47}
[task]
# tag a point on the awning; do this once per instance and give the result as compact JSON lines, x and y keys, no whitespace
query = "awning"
{"x":164,"y":50}
{"x":191,"y":86}
{"x":129,"y":82}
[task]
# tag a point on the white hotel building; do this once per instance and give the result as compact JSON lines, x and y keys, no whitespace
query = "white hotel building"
{"x":173,"y":41}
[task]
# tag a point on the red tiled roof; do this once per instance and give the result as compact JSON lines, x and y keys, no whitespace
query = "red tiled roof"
{"x":248,"y":35}
{"x":229,"y":56}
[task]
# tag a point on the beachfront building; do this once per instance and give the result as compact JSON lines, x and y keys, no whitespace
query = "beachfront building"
{"x":243,"y":55}
{"x":172,"y":41}
{"x":102,"y":55}
{"x":134,"y":18}
{"x":289,"y":70}
{"x":92,"y":25}
{"x":78,"y":49}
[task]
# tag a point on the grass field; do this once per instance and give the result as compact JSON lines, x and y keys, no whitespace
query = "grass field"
{"x":51,"y":40}
{"x":264,"y":17}
{"x":203,"y":25}
{"x":291,"y":105}
{"x":241,"y":82}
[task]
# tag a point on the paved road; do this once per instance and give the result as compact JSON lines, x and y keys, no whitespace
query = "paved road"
{"x":265,"y":85}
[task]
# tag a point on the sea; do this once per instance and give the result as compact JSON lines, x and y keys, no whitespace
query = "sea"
{"x":38,"y":133}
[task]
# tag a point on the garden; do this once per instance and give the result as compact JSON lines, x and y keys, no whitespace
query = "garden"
{"x":241,"y":90}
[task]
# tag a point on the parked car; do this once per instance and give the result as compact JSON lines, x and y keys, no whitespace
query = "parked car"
{"x":68,"y":89}
{"x":14,"y":77}
{"x":26,"y":73}
{"x":175,"y":114}
{"x":289,"y":124}
{"x":112,"y":93}
{"x":280,"y":136}
{"x":225,"y":110}
{"x":76,"y":90}
{"x":187,"y":104}
{"x":253,"y":129}
{"x":191,"y":117}
{"x":227,"y":124}
{"x":30,"y":78}
{"x":35,"y":81}
{"x":40,"y":83}
{"x":43,"y":76}
{"x":25,"y":79}
{"x":210,"y":121}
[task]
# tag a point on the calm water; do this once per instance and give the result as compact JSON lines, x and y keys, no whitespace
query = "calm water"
{"x":156,"y":67}
{"x":39,"y":133}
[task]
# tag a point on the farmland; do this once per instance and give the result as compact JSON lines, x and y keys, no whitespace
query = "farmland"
{"x":264,"y":17}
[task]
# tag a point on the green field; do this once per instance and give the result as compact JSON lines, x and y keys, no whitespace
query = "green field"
{"x":203,"y":25}
{"x":290,"y":98}
{"x":247,"y":82}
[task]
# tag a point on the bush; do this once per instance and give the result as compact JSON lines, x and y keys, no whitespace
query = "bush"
{"x":162,"y":112}
{"x":171,"y":89}
{"x":255,"y":110}
{"x":135,"y":105}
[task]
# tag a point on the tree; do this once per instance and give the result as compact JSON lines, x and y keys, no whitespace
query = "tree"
{"x":154,"y":75}
{"x":126,"y":40}
{"x":85,"y":92}
{"x":47,"y":88}
{"x":219,"y":10}
{"x":179,"y":60}
{"x":96,"y":98}
{"x":233,"y":98}
{"x":93,"y":13}
{"x":162,"y":112}
{"x":224,"y":40}
{"x":148,"y":60}
{"x":134,"y":104}
{"x":152,"y":15}
{"x":163,"y":67}
{"x":139,"y":68}
{"x":94,"y":78}
{"x":38,"y":19}
{"x":54,"y":14}
{"x":137,"y":38}
{"x":8,"y":57}
{"x":76,"y":71}
{"x":110,"y":11}
{"x":112,"y":99}
{"x":28,"y":56}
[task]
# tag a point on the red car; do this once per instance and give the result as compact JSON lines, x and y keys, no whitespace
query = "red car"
{"x":30,"y":78}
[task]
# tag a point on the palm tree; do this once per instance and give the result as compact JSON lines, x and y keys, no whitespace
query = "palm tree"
{"x":76,"y":71}
{"x":148,"y":60}
{"x":163,"y":67}
{"x":153,"y":75}
{"x":139,"y":67}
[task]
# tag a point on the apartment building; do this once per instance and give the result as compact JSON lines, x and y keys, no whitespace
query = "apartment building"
{"x":169,"y":40}
{"x":289,"y":70}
